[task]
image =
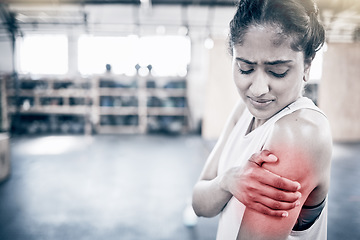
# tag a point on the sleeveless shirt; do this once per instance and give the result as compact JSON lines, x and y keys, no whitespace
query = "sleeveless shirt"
{"x":237,"y":150}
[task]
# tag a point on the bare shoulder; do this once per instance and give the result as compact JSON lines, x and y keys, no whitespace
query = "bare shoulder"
{"x":304,"y":128}
{"x":303,"y":143}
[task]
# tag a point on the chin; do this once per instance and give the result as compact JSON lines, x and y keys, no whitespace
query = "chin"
{"x":262,"y":113}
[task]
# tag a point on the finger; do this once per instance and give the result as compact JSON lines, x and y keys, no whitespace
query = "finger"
{"x":258,"y":207}
{"x":256,"y":158}
{"x":278,"y":205}
{"x":283,"y":196}
{"x":263,"y":190}
{"x":264,"y":156}
{"x":277,"y":194}
{"x":267,"y":156}
{"x":277,"y":181}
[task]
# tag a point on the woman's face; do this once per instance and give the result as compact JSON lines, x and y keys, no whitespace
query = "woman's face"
{"x":268,"y":74}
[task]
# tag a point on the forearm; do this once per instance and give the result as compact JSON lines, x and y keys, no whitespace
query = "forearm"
{"x":209,"y":198}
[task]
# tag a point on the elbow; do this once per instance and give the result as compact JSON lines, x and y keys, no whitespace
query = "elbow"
{"x":201,"y":212}
{"x":197,"y":206}
{"x":197,"y":210}
{"x":200,"y":208}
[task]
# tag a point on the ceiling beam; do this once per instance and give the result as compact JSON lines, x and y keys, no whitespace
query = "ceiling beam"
{"x":338,"y":6}
{"x":134,"y":2}
{"x":9,"y":21}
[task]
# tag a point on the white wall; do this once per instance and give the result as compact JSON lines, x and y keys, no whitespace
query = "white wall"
{"x":221,"y":93}
{"x":197,"y":81}
{"x":339,"y":90}
{"x":6,"y":59}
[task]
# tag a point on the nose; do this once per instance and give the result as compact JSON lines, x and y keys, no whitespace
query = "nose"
{"x":259,"y":85}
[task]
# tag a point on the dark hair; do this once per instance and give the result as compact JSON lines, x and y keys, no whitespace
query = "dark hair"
{"x":296,"y":18}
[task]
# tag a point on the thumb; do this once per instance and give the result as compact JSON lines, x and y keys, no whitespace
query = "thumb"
{"x":267,"y":156}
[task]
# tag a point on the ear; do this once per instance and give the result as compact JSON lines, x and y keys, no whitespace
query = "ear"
{"x":307,"y":68}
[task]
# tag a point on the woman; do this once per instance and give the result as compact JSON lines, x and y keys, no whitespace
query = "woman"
{"x":274,"y":130}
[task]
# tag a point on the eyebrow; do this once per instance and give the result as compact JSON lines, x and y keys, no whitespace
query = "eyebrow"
{"x":277,"y":62}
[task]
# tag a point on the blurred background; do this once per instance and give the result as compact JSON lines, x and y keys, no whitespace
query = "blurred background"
{"x":109,"y":109}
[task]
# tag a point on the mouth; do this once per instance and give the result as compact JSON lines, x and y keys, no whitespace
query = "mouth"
{"x":260,"y":103}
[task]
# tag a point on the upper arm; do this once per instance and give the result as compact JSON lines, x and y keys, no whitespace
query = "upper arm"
{"x":302,"y":147}
{"x":211,"y":165}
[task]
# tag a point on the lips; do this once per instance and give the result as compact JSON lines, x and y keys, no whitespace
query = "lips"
{"x":260,"y":102}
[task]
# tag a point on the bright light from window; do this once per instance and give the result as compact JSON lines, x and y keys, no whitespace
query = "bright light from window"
{"x":316,"y":66}
{"x":168,"y":55}
{"x":44,"y":54}
{"x":96,"y":52}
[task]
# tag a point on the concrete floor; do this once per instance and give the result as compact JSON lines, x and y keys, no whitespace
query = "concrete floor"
{"x":132,"y":188}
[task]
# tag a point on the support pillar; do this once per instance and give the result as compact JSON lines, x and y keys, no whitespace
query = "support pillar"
{"x":339,"y":91}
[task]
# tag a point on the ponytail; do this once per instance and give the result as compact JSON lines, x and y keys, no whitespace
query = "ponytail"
{"x":315,"y":37}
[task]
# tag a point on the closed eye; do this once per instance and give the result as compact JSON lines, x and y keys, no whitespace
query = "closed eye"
{"x":279,"y":75}
{"x":246,"y":72}
{"x":244,"y":65}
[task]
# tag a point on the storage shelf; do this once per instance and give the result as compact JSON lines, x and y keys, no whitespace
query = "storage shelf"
{"x":118,"y":91}
{"x":167,"y":92}
{"x":118,"y":129}
{"x":118,"y":110}
{"x":52,"y":93}
{"x":77,"y":110}
{"x":114,"y":104}
{"x":166,"y":111}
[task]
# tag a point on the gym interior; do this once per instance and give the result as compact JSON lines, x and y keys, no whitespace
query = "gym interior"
{"x":109,"y":110}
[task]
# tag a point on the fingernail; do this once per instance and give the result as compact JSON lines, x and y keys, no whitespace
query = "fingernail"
{"x":285,"y":214}
{"x":299,"y":194}
{"x":273,"y":157}
{"x":297,"y":203}
{"x":299,"y":186}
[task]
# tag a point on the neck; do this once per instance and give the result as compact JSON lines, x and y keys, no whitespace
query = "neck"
{"x":257,"y":123}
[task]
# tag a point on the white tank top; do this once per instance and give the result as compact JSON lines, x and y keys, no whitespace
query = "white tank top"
{"x":237,"y":150}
